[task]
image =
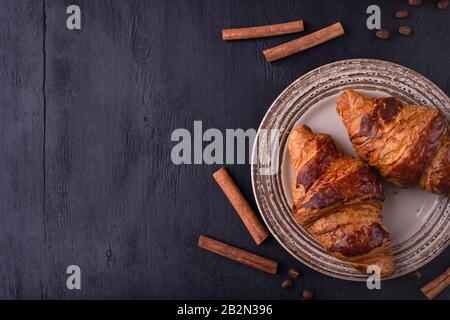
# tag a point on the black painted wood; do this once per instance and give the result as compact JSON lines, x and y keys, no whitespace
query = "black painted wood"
{"x":101,"y":191}
{"x":21,"y":149}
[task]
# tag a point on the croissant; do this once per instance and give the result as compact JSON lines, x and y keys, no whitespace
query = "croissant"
{"x":338,"y":200}
{"x":407,"y":144}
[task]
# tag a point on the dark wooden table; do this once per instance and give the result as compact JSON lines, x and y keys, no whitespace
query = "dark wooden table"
{"x":86,"y":118}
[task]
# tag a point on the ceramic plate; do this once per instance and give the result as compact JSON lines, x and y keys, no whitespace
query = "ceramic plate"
{"x":418,"y":221}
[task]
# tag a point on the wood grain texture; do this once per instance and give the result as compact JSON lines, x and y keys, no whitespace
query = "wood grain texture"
{"x":105,"y":164}
{"x":21,"y":150}
{"x":113,"y":202}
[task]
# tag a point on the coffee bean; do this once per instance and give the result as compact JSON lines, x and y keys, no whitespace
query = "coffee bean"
{"x":293,"y":272}
{"x":442,"y":4}
{"x":405,"y":30}
{"x":287,"y":284}
{"x":415,"y":2}
{"x":415,"y":275}
{"x":383,"y":34}
{"x":401,"y":14}
{"x":308,"y":294}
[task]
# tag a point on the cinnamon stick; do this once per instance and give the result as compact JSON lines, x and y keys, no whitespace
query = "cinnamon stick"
{"x":257,"y":230}
{"x":433,"y":288}
{"x":262,"y":31}
{"x":305,"y":42}
{"x":238,"y":255}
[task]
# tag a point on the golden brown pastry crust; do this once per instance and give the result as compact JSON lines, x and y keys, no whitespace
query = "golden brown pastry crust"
{"x":408,"y":144}
{"x":338,"y":200}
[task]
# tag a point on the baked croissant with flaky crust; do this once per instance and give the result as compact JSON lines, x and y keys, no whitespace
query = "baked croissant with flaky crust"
{"x":407,"y":144}
{"x":338,"y":200}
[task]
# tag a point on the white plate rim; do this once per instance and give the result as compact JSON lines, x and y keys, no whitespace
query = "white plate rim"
{"x":267,"y":114}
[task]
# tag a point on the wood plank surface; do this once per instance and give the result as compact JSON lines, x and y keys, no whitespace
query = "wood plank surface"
{"x":21,"y":149}
{"x":100,"y":191}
